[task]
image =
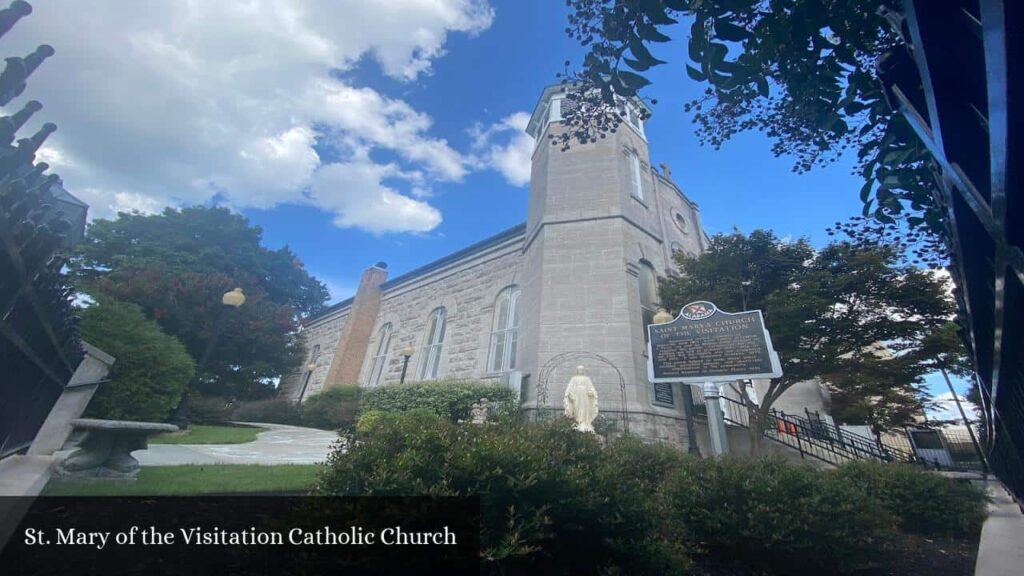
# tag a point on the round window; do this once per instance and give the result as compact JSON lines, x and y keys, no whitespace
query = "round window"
{"x":680,"y":221}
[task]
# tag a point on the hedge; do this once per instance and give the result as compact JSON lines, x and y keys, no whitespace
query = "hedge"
{"x":450,"y":399}
{"x":271,"y":410}
{"x":778,"y":517}
{"x":549,"y":502}
{"x":923,"y":502}
{"x":335,"y":408}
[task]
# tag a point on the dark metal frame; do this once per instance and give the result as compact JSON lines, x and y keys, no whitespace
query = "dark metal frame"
{"x":39,"y":347}
{"x":963,"y":98}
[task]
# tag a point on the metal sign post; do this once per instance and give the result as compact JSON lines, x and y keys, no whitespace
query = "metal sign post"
{"x":716,"y":420}
{"x":707,"y":346}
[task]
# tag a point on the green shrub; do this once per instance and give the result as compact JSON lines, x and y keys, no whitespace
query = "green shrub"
{"x":367,"y":421}
{"x":332,"y":409}
{"x":549,"y":493}
{"x":449,"y":399}
{"x":924,"y":502}
{"x":209,"y":409}
{"x":272,"y":410}
{"x":778,"y":517}
{"x":550,"y":501}
{"x":151,"y":370}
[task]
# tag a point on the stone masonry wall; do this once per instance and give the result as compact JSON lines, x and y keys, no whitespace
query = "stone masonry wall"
{"x":467,"y":289}
{"x":324,"y":331}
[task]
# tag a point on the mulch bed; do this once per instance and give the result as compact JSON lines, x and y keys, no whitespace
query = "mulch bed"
{"x":931,"y":556}
{"x":918,"y":556}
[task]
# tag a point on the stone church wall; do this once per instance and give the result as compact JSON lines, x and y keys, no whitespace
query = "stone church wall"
{"x":323,"y":332}
{"x":467,"y":289}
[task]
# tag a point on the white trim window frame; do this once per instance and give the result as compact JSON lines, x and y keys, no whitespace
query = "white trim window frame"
{"x":647,"y":281}
{"x":636,"y":177}
{"x":504,"y":332}
{"x":433,"y":343}
{"x":380,"y":357}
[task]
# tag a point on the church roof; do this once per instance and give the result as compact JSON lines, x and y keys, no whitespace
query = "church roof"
{"x":480,"y":246}
{"x":470,"y":250}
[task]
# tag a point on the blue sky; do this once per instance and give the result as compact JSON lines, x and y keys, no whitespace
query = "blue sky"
{"x":356,"y":131}
{"x":501,"y":71}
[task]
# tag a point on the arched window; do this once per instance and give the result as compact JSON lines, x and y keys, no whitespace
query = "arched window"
{"x":648,"y":281}
{"x":380,"y":357}
{"x":504,"y":331}
{"x":430,"y":359}
{"x":635,"y":175}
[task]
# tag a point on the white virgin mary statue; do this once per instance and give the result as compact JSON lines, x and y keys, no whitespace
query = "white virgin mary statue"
{"x":581,"y":401}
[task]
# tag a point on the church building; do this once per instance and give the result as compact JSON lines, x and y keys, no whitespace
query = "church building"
{"x":576,"y":284}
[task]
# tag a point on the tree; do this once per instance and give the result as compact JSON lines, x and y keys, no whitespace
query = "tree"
{"x":883,"y":393}
{"x":176,"y":265}
{"x":151,"y":368}
{"x":806,"y":73}
{"x":943,"y":351}
{"x":739,"y":271}
{"x":828,"y":311}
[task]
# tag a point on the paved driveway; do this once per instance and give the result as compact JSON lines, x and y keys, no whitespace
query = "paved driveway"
{"x":280,"y":444}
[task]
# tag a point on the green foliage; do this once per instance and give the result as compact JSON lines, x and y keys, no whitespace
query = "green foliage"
{"x":271,"y":410}
{"x":451,"y":399}
{"x":924,"y":502}
{"x":151,"y":369}
{"x":777,"y":517}
{"x":547,"y":492}
{"x":883,"y":393}
{"x":737,"y":272}
{"x":944,"y":350}
{"x":827,"y":311}
{"x":209,"y":409}
{"x":332,"y":409}
{"x":177,"y":265}
{"x":806,"y":74}
{"x":368,"y":420}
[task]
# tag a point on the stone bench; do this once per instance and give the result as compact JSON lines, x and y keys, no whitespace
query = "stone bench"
{"x":106,"y":450}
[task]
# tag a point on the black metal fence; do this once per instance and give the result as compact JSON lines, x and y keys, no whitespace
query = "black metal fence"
{"x":39,"y":347}
{"x":814,"y":436}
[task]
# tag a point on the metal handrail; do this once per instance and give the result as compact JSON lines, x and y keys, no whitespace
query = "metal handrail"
{"x":823,"y":440}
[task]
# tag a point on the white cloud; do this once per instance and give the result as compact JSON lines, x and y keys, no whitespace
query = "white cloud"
{"x":167,"y":102}
{"x":945,"y":408}
{"x":506,"y":147}
{"x":355,"y":192}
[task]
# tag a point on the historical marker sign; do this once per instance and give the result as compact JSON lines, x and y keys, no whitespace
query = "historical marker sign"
{"x":663,"y":394}
{"x":705,"y":344}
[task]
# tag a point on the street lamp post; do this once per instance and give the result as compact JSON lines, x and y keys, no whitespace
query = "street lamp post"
{"x":744,"y":285}
{"x":231,"y":300}
{"x":406,"y":353}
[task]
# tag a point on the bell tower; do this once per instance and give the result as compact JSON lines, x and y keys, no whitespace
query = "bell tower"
{"x":595,"y":243}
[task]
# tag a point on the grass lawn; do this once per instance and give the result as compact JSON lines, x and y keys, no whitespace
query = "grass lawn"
{"x":196,"y":479}
{"x":200,"y":434}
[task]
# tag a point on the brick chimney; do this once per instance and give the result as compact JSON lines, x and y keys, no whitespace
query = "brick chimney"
{"x":355,"y":335}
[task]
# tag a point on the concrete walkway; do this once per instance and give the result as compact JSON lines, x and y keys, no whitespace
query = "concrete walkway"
{"x":280,"y":444}
{"x":1001,"y":552}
